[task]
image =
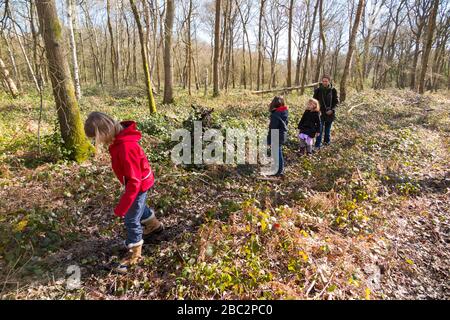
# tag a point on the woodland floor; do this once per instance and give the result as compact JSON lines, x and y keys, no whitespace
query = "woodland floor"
{"x":365,"y":218}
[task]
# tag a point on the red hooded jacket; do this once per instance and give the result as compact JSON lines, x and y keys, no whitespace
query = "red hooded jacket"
{"x":130,"y":165}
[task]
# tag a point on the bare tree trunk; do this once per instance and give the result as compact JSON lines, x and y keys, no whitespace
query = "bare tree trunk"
{"x":206,"y":82}
{"x":211,"y":56}
{"x":196,"y":63}
{"x":372,"y":18}
{"x":380,"y":69}
{"x":245,"y":35}
{"x":391,"y":47}
{"x":168,"y":63}
{"x":233,"y":67}
{"x":73,"y":48}
{"x":359,"y":79}
{"x":11,"y":86}
{"x":301,"y":45}
{"x":13,"y":62}
{"x":260,"y":71}
{"x":147,"y":29}
{"x":27,"y":60}
{"x":119,"y":44}
{"x":426,"y":54}
{"x":126,"y":74}
{"x":69,"y":117}
{"x":103,"y":56}
{"x":334,"y":58}
{"x":153,"y":57}
{"x":439,"y":63}
{"x":178,"y":64}
{"x":308,"y":47}
{"x":216,"y":49}
{"x":250,"y":61}
{"x":323,"y":49}
{"x":230,"y":41}
{"x":418,"y":11}
{"x":448,"y":72}
{"x":299,"y":64}
{"x":351,"y":47}
{"x":196,"y":80}
{"x":113,"y":48}
{"x":95,"y":50}
{"x":134,"y":57}
{"x":263,"y":80}
{"x":35,"y":35}
{"x":189,"y":49}
{"x":224,"y":44}
{"x":412,"y":84}
{"x":83,"y":59}
{"x":148,"y":83}
{"x":289,"y":58}
{"x":160,"y":48}
{"x":244,"y":63}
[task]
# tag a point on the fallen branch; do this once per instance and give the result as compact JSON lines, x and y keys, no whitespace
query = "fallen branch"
{"x":326,"y":286}
{"x":286,"y":89}
{"x":357,"y":105}
{"x":310,"y":287}
{"x":197,"y":174}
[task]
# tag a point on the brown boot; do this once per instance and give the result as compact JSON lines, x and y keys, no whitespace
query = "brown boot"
{"x":152,"y":225}
{"x":133,"y":257}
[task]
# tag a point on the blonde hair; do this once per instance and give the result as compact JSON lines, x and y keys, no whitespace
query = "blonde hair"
{"x":316,"y":102}
{"x":101,"y":127}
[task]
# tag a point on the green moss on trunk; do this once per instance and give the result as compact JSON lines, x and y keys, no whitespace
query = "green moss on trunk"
{"x":151,"y":99}
{"x":76,"y":144}
{"x":56,"y":28}
{"x":148,"y":83}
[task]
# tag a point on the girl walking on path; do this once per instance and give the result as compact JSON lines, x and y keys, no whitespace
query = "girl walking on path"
{"x":131,"y":167}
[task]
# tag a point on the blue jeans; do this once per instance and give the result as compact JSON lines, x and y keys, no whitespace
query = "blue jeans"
{"x":327,"y":138}
{"x":137,"y":212}
{"x":280,"y":160}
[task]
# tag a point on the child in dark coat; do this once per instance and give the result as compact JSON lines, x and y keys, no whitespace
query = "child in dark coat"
{"x":309,"y":126}
{"x":279,"y":114}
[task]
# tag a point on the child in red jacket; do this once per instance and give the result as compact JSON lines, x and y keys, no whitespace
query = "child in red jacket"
{"x":131,"y":167}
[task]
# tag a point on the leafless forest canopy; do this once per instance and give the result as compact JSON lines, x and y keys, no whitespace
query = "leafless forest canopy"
{"x":260,"y":44}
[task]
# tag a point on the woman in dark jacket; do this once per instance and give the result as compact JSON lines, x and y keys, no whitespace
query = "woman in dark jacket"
{"x":278,"y":121}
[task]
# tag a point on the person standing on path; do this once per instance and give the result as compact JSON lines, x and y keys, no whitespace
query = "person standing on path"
{"x":279,"y":115}
{"x":328,"y":99}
